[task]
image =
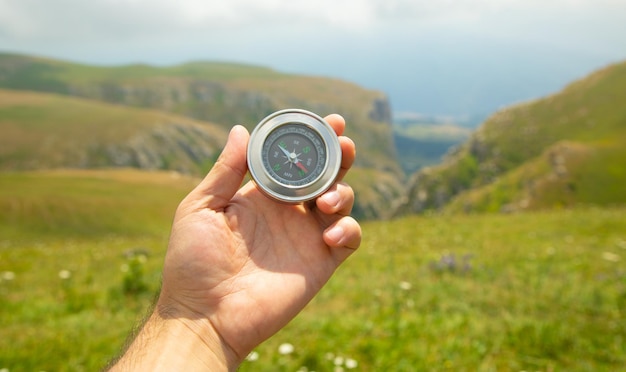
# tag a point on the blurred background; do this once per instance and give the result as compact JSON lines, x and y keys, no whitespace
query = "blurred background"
{"x":490,"y":178}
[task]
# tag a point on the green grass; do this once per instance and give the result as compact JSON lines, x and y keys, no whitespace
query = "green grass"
{"x":538,"y":291}
{"x":541,"y":292}
{"x":91,"y":204}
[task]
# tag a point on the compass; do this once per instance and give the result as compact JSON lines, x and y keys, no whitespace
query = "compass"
{"x":294,"y":155}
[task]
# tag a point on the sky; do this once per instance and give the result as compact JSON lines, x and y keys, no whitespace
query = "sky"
{"x":434,"y":57}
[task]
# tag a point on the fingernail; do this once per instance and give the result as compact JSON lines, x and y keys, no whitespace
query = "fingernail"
{"x":335,"y":234}
{"x":331,"y":198}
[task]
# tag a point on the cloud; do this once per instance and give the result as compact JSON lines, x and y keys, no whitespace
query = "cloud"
{"x":110,"y":19}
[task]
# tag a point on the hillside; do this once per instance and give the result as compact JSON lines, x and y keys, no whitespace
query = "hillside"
{"x":41,"y":131}
{"x":221,"y":93}
{"x":559,"y":151}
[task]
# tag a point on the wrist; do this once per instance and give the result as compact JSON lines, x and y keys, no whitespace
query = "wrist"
{"x":171,"y":342}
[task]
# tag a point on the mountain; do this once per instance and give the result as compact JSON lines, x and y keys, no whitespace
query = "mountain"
{"x":222,"y":93}
{"x":565,"y":149}
{"x":189,"y":95}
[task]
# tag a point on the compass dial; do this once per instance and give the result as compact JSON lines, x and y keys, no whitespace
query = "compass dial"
{"x":293,"y":155}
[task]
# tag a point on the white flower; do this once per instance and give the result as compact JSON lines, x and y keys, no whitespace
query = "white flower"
{"x":65,"y":274}
{"x":351,"y":363}
{"x":405,"y":286}
{"x":285,"y":349}
{"x":253,"y":356}
{"x":8,"y":275}
{"x":338,"y":361}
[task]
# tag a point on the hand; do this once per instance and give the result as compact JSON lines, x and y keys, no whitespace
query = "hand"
{"x":240,"y":266}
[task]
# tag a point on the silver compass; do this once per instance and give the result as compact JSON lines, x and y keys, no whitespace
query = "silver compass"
{"x":294,"y":155}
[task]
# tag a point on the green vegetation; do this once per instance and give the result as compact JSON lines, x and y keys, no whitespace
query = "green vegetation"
{"x":559,"y":151}
{"x":52,"y":131}
{"x":88,"y":204}
{"x":81,"y":252}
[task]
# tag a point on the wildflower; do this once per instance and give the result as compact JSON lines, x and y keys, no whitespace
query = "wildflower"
{"x":351,"y":363}
{"x":8,"y":275}
{"x":450,"y":263}
{"x":338,"y":361}
{"x":285,"y":349}
{"x":65,"y":274}
{"x":253,"y":356}
{"x":405,"y":286}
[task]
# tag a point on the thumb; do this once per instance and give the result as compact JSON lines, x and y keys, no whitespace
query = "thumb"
{"x":224,"y":179}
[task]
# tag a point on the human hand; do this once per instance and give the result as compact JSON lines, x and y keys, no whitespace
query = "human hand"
{"x":240,"y":266}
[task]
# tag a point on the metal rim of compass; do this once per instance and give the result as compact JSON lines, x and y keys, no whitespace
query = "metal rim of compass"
{"x":281,"y":191}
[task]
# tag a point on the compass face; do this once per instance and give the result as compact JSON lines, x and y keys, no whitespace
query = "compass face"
{"x":293,"y":155}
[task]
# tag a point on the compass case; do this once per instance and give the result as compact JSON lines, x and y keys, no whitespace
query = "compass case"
{"x":301,"y":170}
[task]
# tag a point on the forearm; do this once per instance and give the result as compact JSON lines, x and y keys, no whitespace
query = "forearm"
{"x":168,"y":343}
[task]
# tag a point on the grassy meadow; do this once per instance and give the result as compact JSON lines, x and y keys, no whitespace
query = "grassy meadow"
{"x":81,"y":251}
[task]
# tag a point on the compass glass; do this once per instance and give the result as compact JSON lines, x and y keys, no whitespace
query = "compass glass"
{"x":294,"y":155}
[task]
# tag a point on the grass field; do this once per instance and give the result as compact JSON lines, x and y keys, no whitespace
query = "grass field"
{"x":80,"y":254}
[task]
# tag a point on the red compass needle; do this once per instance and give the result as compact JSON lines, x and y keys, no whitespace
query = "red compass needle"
{"x":301,"y":167}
